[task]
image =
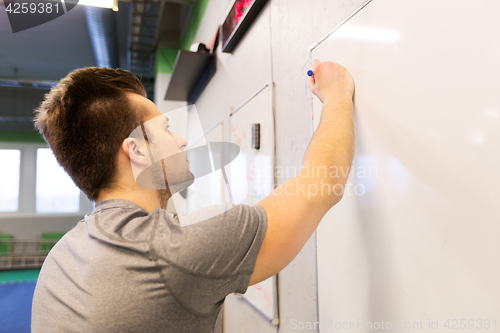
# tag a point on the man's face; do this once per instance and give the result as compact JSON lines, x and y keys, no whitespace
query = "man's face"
{"x":165,"y":149}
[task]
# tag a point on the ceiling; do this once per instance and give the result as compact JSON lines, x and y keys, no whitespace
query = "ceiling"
{"x":48,"y":51}
{"x":51,"y":50}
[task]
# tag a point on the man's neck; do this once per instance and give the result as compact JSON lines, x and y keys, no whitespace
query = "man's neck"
{"x":147,"y":199}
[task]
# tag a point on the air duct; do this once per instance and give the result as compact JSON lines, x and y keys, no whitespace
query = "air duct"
{"x":101,"y":23}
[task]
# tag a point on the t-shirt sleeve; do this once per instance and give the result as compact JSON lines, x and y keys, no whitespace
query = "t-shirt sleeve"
{"x":202,"y":263}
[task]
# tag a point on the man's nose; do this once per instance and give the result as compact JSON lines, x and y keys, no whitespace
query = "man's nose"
{"x":184,"y":143}
{"x":181,"y":142}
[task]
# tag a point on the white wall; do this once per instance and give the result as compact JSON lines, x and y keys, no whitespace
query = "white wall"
{"x":276,"y":48}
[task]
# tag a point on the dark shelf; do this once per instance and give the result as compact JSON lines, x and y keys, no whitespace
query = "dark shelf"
{"x":192,"y":71}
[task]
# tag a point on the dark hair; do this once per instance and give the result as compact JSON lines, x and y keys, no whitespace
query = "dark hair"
{"x":85,"y":118}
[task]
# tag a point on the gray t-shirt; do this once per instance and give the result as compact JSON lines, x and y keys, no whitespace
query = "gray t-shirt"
{"x":123,"y":269}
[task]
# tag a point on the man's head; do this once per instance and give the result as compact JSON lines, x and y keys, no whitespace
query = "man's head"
{"x":87,"y":118}
{"x":156,"y":152}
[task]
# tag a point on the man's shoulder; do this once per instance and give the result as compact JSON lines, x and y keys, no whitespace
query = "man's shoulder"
{"x":224,"y":211}
{"x":207,"y":213}
{"x":122,"y":224}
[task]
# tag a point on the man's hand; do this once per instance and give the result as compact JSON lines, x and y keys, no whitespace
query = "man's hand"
{"x":331,"y":81}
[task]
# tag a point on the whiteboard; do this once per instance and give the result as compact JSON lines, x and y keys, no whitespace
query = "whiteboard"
{"x":251,"y":178}
{"x":419,"y":241}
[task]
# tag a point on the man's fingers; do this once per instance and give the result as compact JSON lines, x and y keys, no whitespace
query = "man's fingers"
{"x":315,"y":64}
{"x":311,"y":83}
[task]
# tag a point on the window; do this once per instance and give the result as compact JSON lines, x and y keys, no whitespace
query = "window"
{"x":55,"y":191}
{"x":32,"y":183}
{"x":10,"y":162}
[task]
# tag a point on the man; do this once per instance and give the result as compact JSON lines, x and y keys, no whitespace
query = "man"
{"x":129,"y":266}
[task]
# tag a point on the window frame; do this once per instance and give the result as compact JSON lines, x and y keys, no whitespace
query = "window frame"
{"x":27,"y":184}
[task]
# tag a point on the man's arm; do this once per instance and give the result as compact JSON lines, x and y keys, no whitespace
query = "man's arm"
{"x":295,"y":208}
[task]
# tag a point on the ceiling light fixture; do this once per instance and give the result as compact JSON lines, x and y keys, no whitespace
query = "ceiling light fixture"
{"x":113,"y":4}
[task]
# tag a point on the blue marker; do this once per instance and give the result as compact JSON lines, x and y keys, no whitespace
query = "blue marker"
{"x":310,"y":73}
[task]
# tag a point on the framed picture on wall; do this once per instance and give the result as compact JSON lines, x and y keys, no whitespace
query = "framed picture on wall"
{"x":237,"y":22}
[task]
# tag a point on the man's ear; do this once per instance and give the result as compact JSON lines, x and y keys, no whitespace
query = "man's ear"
{"x":136,"y":152}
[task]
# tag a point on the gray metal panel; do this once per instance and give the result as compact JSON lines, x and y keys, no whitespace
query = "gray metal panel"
{"x":187,"y":69}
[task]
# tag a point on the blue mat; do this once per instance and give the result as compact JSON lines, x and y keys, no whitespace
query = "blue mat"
{"x":15,"y":306}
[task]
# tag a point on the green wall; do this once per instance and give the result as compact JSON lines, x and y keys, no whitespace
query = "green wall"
{"x":6,"y":136}
{"x":165,"y":56}
{"x":165,"y":59}
{"x":193,"y":23}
